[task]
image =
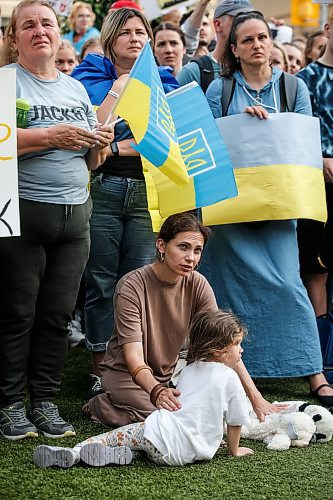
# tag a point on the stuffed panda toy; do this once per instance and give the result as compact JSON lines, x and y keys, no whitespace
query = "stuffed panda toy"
{"x":298,"y":425}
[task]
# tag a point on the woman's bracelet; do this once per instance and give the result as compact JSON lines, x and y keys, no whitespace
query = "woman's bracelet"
{"x":138,"y":369}
{"x":114,"y":94}
{"x":155,"y":392}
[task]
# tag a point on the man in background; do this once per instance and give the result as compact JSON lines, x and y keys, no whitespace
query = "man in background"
{"x":208,"y":67}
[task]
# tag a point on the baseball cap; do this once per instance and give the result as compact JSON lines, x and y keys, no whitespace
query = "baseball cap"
{"x":232,"y":8}
{"x":125,"y":3}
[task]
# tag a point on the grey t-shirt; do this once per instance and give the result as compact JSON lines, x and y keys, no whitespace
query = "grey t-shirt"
{"x":54,"y":175}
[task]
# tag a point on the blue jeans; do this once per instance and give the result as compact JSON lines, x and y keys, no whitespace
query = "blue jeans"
{"x":122,"y":240}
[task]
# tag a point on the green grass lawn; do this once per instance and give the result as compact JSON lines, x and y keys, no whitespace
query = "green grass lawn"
{"x":305,"y":474}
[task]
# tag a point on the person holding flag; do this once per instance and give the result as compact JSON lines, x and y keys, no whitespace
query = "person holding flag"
{"x":121,"y":231}
{"x":253,"y":267}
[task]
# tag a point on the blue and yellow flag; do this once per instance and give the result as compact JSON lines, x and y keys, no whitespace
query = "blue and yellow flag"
{"x":204,"y":153}
{"x":143,"y":105}
{"x":278,"y":168}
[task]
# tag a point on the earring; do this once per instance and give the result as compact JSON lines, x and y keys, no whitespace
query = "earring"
{"x":160,"y":256}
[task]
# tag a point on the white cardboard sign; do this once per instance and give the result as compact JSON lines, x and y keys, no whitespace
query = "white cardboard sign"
{"x":156,"y":8}
{"x":62,"y":7}
{"x":9,"y":204}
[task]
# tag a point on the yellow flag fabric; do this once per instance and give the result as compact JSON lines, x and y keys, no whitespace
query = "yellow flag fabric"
{"x":273,"y":192}
{"x":152,"y":197}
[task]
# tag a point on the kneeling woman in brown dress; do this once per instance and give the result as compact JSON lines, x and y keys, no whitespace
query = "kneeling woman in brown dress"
{"x":154,"y":306}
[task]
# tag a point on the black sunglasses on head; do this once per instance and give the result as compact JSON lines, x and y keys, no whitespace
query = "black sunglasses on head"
{"x":249,"y":14}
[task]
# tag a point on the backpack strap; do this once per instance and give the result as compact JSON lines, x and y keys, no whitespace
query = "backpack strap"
{"x":229,"y":84}
{"x":206,"y":71}
{"x":288,"y":92}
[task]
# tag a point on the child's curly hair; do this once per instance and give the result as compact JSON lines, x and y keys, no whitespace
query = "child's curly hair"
{"x":212,"y":330}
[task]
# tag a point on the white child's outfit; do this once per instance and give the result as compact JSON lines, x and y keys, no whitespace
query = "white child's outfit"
{"x":210,"y":394}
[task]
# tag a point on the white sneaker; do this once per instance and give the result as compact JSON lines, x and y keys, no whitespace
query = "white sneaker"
{"x":98,"y":455}
{"x":75,"y":335}
{"x":49,"y":456}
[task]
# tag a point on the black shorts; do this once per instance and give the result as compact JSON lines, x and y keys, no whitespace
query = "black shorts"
{"x":315,"y":241}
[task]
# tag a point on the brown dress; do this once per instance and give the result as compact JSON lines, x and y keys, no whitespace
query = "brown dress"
{"x":158,"y":314}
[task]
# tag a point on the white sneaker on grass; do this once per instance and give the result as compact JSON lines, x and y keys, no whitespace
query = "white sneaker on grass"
{"x":98,"y":455}
{"x":50,"y":456}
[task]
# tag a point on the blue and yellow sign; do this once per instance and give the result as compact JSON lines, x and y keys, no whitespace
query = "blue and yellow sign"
{"x":278,"y":168}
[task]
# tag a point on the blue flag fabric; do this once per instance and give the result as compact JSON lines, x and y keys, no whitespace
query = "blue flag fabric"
{"x":97,"y":74}
{"x":203,"y":149}
{"x":205,"y":155}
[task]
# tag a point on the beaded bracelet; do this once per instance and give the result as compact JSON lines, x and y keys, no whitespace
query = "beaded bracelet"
{"x":114,"y":94}
{"x":138,"y":369}
{"x":155,"y":392}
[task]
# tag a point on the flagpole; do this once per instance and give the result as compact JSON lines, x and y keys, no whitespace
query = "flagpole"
{"x":114,"y":122}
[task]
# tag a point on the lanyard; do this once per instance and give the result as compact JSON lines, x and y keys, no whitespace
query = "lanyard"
{"x":258,"y":101}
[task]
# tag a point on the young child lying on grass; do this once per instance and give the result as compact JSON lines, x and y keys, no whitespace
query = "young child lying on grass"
{"x":210,"y":394}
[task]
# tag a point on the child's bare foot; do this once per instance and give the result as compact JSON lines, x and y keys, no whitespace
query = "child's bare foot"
{"x":243,"y":452}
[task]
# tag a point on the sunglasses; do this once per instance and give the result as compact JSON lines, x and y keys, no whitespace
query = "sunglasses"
{"x":249,"y":14}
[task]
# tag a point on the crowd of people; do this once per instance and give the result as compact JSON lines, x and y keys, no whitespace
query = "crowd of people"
{"x":166,"y":360}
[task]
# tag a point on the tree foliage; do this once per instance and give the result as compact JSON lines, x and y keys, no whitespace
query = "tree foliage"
{"x":101,"y":8}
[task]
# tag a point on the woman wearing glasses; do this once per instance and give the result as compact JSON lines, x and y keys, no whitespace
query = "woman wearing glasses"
{"x":81,"y":24}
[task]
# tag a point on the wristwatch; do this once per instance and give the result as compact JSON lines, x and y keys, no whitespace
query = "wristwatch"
{"x":114,"y":148}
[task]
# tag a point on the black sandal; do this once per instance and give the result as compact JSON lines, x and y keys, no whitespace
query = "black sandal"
{"x":323,"y":400}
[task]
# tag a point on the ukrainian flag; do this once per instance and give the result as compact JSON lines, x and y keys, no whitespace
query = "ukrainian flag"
{"x":204,"y":153}
{"x":278,"y":168}
{"x":144,"y":106}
